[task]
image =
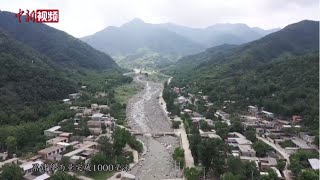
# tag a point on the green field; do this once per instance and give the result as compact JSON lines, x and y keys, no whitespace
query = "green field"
{"x":156,"y":77}
{"x":126,"y":91}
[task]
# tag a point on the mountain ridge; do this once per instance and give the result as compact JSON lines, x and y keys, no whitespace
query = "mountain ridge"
{"x":59,"y":46}
{"x":278,"y":72}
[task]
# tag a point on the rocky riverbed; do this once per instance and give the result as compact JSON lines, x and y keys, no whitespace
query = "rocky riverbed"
{"x":145,"y":114}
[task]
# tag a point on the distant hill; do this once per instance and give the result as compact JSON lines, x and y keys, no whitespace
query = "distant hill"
{"x":219,"y":34}
{"x":279,"y":72}
{"x":168,"y":41}
{"x":60,"y":47}
{"x":137,"y":34}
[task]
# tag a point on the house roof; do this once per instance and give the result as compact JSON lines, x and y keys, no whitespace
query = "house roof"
{"x":314,"y":163}
{"x":246,"y":148}
{"x":97,"y":115}
{"x":56,"y":140}
{"x":53,"y":128}
{"x":50,"y":149}
{"x":252,"y":107}
{"x":267,"y":112}
{"x":42,"y":177}
{"x":29,"y":165}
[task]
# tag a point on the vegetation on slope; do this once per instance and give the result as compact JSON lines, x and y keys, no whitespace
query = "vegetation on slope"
{"x":61,"y":48}
{"x":278,"y":72}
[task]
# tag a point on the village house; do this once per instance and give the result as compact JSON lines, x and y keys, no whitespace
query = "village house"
{"x":307,"y":138}
{"x":52,"y":132}
{"x":314,"y":163}
{"x":74,"y":95}
{"x":48,"y":153}
{"x":211,"y":134}
{"x":83,"y":151}
{"x":104,"y":107}
{"x":176,"y":90}
{"x":267,"y":114}
{"x":222,"y":114}
{"x":182,"y":100}
{"x":55,"y":140}
{"x":94,"y":106}
{"x":28,"y":166}
{"x":3,"y":156}
{"x":67,"y":101}
{"x":33,"y":177}
{"x":235,"y":139}
{"x":246,"y":150}
{"x":253,"y":110}
{"x":9,"y":161}
{"x":296,"y":119}
{"x":187,"y":111}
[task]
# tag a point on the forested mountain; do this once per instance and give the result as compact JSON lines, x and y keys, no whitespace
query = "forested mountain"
{"x":278,"y":72}
{"x":61,"y":48}
{"x":27,"y":79}
{"x":40,"y":65}
{"x":137,"y":43}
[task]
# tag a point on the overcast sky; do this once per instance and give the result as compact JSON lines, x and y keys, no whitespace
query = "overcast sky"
{"x":84,"y":17}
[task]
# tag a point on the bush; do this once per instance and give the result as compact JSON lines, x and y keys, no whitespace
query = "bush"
{"x":176,"y":124}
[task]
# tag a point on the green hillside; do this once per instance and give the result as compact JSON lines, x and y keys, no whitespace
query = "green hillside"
{"x":61,"y":48}
{"x":278,"y":72}
{"x":26,"y":81}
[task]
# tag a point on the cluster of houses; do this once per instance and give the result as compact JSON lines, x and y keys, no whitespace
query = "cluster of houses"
{"x":96,"y":117}
{"x":65,"y":144}
{"x":59,"y":144}
{"x":276,"y":130}
{"x":266,"y":124}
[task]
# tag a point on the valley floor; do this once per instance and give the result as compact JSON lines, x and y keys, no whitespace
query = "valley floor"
{"x":145,"y":114}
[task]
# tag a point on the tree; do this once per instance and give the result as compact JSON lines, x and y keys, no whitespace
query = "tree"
{"x":228,"y":176}
{"x":222,"y":129}
{"x":191,"y":173}
{"x":103,"y":128}
{"x":120,"y":139}
{"x":98,"y":159}
{"x":178,"y":155}
{"x":236,"y":126}
{"x":272,"y":175}
{"x":212,"y":154}
{"x":234,"y":165}
{"x":250,"y":170}
{"x":176,"y":124}
{"x":204,"y":125}
{"x":105,"y":146}
{"x":309,"y":174}
{"x":64,"y":162}
{"x":11,"y":143}
{"x":261,"y":148}
{"x":250,"y":134}
{"x":62,"y":176}
{"x":281,"y":164}
{"x":12,"y":172}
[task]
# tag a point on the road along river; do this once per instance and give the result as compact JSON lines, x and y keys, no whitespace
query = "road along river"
{"x":145,"y":115}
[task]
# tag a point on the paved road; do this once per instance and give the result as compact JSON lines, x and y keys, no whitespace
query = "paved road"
{"x":144,"y":114}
